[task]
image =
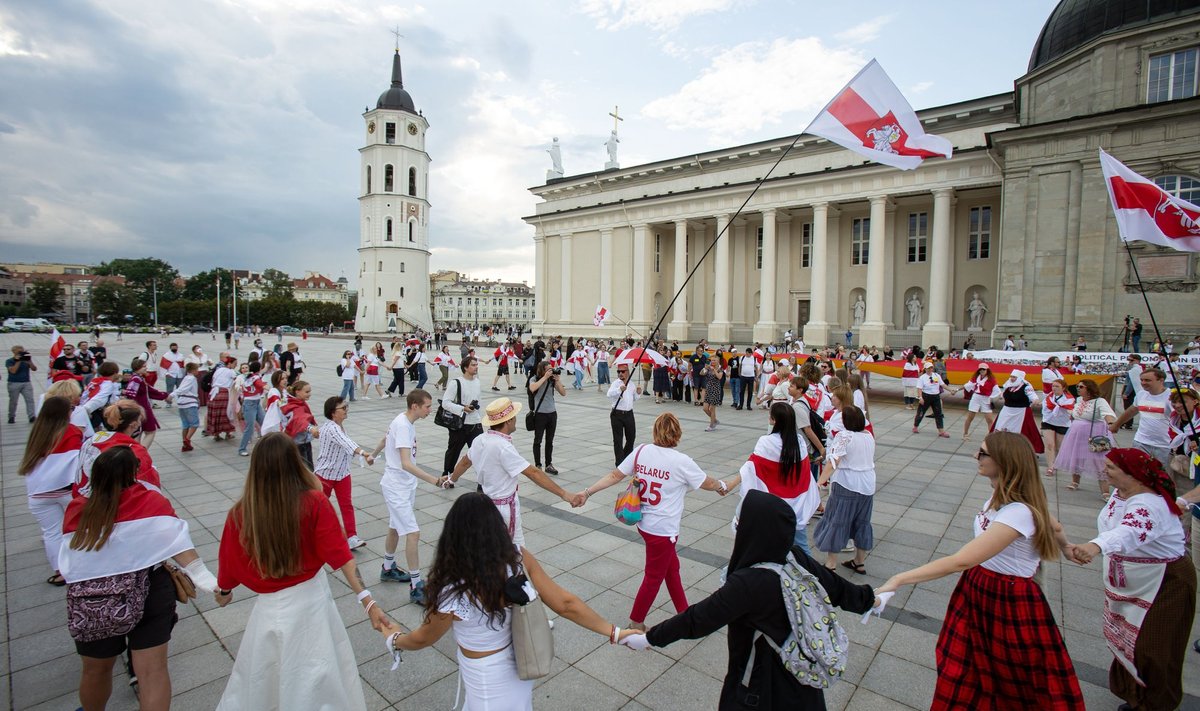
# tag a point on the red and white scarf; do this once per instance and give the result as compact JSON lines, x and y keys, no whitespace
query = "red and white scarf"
{"x":762,"y":472}
{"x":102,"y":441}
{"x":57,"y":469}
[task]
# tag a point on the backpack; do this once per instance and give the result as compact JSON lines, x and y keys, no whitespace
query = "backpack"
{"x":339,"y":370}
{"x":817,"y":423}
{"x":816,"y":650}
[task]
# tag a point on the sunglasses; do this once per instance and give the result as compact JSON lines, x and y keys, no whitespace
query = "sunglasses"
{"x":982,"y":453}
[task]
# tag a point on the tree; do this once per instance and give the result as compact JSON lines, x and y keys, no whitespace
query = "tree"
{"x":114,"y":301}
{"x":46,"y":295}
{"x":278,"y":284}
{"x":141,"y":275}
{"x":203,"y":286}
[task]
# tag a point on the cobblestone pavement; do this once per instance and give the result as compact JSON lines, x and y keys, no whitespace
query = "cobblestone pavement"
{"x":927,"y":493}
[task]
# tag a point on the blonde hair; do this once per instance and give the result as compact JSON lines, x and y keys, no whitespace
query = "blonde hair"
{"x":68,"y":389}
{"x":667,"y":431}
{"x":1019,"y":482}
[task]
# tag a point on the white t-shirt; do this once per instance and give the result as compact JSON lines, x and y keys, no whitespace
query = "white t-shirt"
{"x":930,"y":383}
{"x":860,"y":400}
{"x":853,"y":455}
{"x":401,"y":434}
{"x":1020,"y":558}
{"x":349,"y":368}
{"x":497,"y":464}
{"x":1153,"y":425}
{"x":747,"y":366}
{"x":666,"y":475}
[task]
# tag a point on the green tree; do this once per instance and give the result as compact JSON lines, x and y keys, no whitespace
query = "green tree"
{"x":142,"y":275}
{"x":114,"y":301}
{"x":203,"y":286}
{"x":278,"y":284}
{"x":46,"y":295}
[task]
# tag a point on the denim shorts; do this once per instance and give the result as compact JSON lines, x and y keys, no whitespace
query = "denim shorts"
{"x":189,"y":417}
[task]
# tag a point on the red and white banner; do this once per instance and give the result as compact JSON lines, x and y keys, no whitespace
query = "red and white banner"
{"x":762,"y":472}
{"x":146,"y":532}
{"x":57,"y":343}
{"x":104,"y":440}
{"x":872,"y":118}
{"x":600,"y":317}
{"x":1146,"y":212}
{"x":57,"y":469}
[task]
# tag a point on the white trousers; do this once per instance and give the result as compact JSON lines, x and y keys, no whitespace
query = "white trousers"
{"x":48,"y":511}
{"x":492,"y":683}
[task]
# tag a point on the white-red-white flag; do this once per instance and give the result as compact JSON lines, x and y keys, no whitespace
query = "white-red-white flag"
{"x":1146,"y":212}
{"x":57,"y":343}
{"x":872,"y":118}
{"x":600,"y":317}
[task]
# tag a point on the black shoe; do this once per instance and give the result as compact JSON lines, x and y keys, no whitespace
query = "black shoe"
{"x":1196,"y":645}
{"x":12,"y":420}
{"x":551,"y":470}
{"x":31,"y":419}
{"x":495,"y":388}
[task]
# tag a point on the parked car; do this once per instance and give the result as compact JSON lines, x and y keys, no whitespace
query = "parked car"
{"x":27,"y":324}
{"x":288,"y":329}
{"x":199,"y":329}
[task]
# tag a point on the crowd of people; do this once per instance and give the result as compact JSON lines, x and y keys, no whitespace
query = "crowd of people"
{"x":113,"y":539}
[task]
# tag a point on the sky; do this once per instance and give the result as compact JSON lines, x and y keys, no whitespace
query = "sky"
{"x":226,"y":132}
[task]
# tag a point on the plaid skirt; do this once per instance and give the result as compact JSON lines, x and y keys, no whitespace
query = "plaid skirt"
{"x":217,"y":419}
{"x":1000,"y":648}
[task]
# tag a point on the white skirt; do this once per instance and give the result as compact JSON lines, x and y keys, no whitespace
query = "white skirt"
{"x":295,"y":654}
{"x":492,"y":683}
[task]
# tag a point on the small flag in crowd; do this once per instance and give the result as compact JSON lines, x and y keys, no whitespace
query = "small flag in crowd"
{"x":872,"y":118}
{"x":1146,"y":212}
{"x":57,"y":343}
{"x":165,"y":363}
{"x":600,"y":317}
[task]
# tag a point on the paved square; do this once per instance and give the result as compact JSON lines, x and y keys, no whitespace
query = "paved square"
{"x":927,"y":493}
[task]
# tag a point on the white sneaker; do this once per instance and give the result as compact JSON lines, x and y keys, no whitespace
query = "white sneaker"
{"x":355,"y":542}
{"x":364,"y":397}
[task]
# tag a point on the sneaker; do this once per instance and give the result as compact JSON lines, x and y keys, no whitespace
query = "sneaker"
{"x":186,"y":448}
{"x":849,"y":547}
{"x":550,"y":469}
{"x":393,"y":575}
{"x":510,"y":387}
{"x":355,"y":542}
{"x":916,"y":430}
{"x":417,"y":593}
{"x":364,"y":397}
{"x":12,"y":420}
{"x":710,"y":428}
{"x":495,"y":388}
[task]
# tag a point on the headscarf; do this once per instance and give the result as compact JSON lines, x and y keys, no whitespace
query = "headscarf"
{"x":766,"y":528}
{"x":1147,"y":471}
{"x":1017,"y":376}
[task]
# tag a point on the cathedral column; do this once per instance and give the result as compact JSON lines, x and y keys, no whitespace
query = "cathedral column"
{"x":873,"y":332}
{"x":639,"y":317}
{"x":606,"y":267}
{"x":767,"y":330}
{"x":539,"y":279}
{"x":564,"y":292}
{"x":678,"y":327}
{"x":720,"y":328}
{"x":938,"y":328}
{"x":816,"y":331}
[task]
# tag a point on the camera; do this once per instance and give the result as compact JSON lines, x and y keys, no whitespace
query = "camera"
{"x":557,"y":371}
{"x":474,"y":404}
{"x":25,"y":356}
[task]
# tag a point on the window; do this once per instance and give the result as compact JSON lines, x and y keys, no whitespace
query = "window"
{"x":401,"y":267}
{"x":380,"y":265}
{"x":401,"y":292}
{"x":368,"y":179}
{"x":806,"y":245}
{"x":387,"y":178}
{"x":1180,"y":186}
{"x":758,"y":249}
{"x":918,"y":236}
{"x":979,"y":231}
{"x":657,"y":251}
{"x":410,"y":231}
{"x":387,"y":230}
{"x":389,"y":132}
{"x":1172,"y":76}
{"x":412,"y":181}
{"x":860,"y":236}
{"x":379,"y":293}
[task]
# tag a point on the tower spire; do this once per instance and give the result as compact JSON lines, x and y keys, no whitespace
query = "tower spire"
{"x":397,"y":75}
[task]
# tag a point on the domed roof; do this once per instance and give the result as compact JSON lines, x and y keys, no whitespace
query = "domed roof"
{"x":1074,"y":23}
{"x":396,"y":97}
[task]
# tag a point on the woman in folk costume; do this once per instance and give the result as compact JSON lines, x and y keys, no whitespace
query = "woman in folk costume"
{"x":780,"y":466}
{"x":49,"y":464}
{"x":999,"y":646}
{"x":124,"y":419}
{"x":295,"y":653}
{"x":1081,"y":453}
{"x":1149,"y":583}
{"x":1017,"y":413}
{"x":1056,"y":420}
{"x":117,"y":539}
{"x":141,"y":392}
{"x":219,"y":416}
{"x":982,"y":389}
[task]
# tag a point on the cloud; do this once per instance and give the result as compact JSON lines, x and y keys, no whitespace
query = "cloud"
{"x":655,"y":14}
{"x":756,"y":85}
{"x":920,"y":87}
{"x":863,"y":32}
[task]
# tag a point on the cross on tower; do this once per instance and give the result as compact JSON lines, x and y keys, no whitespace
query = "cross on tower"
{"x":616,"y":114}
{"x":396,"y":32}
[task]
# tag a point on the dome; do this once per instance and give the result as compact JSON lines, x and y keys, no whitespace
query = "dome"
{"x":396,"y":97}
{"x":1074,"y":23}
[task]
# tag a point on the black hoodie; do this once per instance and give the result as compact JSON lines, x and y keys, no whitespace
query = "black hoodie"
{"x":751,"y":601}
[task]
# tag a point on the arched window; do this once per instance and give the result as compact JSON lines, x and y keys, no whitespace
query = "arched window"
{"x":412,"y":181}
{"x":410,"y":231}
{"x":387,"y":231}
{"x":1181,"y":186}
{"x":368,"y":179}
{"x":401,"y":292}
{"x":387,"y":178}
{"x":379,"y":291}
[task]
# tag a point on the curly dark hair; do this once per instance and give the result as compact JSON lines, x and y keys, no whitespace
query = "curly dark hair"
{"x":474,"y":558}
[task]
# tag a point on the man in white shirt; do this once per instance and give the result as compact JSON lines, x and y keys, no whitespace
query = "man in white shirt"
{"x":1133,"y":383}
{"x":748,"y":373}
{"x":1009,"y":344}
{"x":175,"y":372}
{"x":399,"y":485}
{"x":1152,"y":405}
{"x":150,"y":356}
{"x":498,"y":466}
{"x":461,"y":397}
{"x":624,"y":429}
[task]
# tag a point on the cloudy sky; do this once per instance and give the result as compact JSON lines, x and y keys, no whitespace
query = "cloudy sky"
{"x":226,"y":132}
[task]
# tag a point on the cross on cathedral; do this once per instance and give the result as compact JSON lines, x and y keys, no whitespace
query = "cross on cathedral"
{"x":616,"y":115}
{"x":396,"y":32}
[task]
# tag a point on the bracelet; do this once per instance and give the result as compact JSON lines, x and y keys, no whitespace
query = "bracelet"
{"x":612,"y":636}
{"x":723,"y":488}
{"x":224,"y":593}
{"x":369,"y":606}
{"x":587,"y":492}
{"x":364,"y":594}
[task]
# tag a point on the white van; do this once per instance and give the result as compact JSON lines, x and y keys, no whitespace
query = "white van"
{"x":27,"y":324}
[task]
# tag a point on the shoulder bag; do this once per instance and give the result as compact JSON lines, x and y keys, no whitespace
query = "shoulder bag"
{"x":533,"y":643}
{"x":1097,"y":443}
{"x":628,"y":508}
{"x":447,"y":419}
{"x":185,"y":589}
{"x":531,"y":416}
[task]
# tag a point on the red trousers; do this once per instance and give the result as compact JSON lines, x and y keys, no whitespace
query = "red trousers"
{"x":341,"y":487}
{"x":662,"y":564}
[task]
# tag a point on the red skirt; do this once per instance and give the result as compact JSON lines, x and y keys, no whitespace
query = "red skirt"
{"x":1000,"y":648}
{"x":217,"y":419}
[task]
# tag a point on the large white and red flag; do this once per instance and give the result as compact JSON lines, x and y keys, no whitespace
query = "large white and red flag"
{"x":58,"y":468}
{"x":1146,"y":212}
{"x":872,"y":118}
{"x":146,"y":532}
{"x":600,"y":317}
{"x":763,"y":472}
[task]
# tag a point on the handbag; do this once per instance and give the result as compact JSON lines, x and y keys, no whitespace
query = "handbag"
{"x":447,"y":419}
{"x":1097,"y":443}
{"x":106,"y":607}
{"x":530,"y":418}
{"x":628,"y":508}
{"x":185,"y":589}
{"x":533,"y":643}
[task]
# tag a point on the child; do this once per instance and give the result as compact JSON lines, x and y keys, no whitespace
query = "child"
{"x":186,"y":396}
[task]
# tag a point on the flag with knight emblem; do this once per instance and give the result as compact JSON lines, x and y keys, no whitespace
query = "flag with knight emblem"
{"x":600,"y":317}
{"x":872,"y":118}
{"x":1146,"y":212}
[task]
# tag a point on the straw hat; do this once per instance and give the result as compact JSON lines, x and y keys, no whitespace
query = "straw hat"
{"x":500,"y":410}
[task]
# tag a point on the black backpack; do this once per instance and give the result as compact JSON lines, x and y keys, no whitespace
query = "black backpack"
{"x":339,"y":370}
{"x":817,"y":423}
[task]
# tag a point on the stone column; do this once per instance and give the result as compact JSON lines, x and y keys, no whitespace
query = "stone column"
{"x":564,"y":292}
{"x":938,"y":328}
{"x":640,"y":258}
{"x":874,"y":329}
{"x":720,"y":328}
{"x":766,"y":330}
{"x":816,"y":331}
{"x":606,"y":235}
{"x":678,"y":327}
{"x":539,"y":277}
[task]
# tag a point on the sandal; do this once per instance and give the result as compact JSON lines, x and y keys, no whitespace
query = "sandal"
{"x":856,"y":567}
{"x":1073,"y":486}
{"x":1049,"y":471}
{"x":56,"y":580}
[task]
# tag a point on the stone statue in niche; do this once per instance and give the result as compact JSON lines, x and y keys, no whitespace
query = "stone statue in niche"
{"x":860,"y":311}
{"x":975,"y":312}
{"x":914,"y":307}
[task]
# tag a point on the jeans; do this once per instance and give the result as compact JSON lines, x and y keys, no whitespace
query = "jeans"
{"x":1137,"y":344}
{"x":397,"y":381}
{"x":623,"y":432}
{"x":172,"y":383}
{"x":252,"y":412}
{"x":422,"y":378}
{"x":18,"y":390}
{"x":602,"y":374}
{"x":578,"y":378}
{"x":348,"y":389}
{"x":459,"y":438}
{"x":801,"y":538}
{"x":736,"y":385}
{"x":930,"y":402}
{"x":544,"y":425}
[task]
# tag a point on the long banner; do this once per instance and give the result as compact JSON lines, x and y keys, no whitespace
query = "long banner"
{"x":960,"y":370}
{"x":1094,"y":361}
